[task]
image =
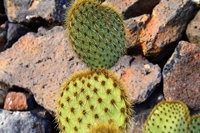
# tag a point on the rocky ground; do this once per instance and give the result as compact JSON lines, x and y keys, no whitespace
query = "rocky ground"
{"x":162,"y":60}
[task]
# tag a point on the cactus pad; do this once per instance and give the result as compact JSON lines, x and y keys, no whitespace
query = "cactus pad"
{"x":104,"y":128}
{"x":194,"y":124}
{"x":168,"y":117}
{"x":92,"y":97}
{"x":97,"y":33}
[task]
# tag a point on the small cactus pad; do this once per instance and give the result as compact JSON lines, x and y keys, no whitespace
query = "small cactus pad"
{"x":194,"y":124}
{"x":168,"y":117}
{"x":97,"y":33}
{"x":92,"y":97}
{"x":104,"y":128}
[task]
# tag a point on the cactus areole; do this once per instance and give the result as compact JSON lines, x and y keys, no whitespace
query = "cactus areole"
{"x":96,"y":32}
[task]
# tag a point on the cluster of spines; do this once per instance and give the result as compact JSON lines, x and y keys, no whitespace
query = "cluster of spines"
{"x":97,"y":33}
{"x":95,"y":96}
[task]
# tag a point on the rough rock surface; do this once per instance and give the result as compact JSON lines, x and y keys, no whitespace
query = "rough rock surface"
{"x":133,"y":8}
{"x":31,"y":10}
{"x":2,"y":38}
{"x":15,"y":101}
{"x":167,"y":25}
{"x":181,"y":75}
{"x":193,"y":30}
{"x":24,"y":122}
{"x":139,"y":76}
{"x":134,"y":26}
{"x":42,"y":62}
{"x":14,"y":32}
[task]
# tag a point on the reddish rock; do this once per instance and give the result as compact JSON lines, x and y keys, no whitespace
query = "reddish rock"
{"x":15,"y":101}
{"x":139,"y":76}
{"x":167,"y":25}
{"x":181,"y":75}
{"x":42,"y":62}
{"x":193,"y":30}
{"x":134,"y":26}
{"x":133,"y":8}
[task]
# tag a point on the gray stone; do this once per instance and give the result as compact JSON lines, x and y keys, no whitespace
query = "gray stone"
{"x":181,"y":75}
{"x":42,"y":62}
{"x":14,"y":32}
{"x":193,"y":30}
{"x":52,"y":11}
{"x":24,"y":122}
{"x":166,"y":26}
{"x":139,"y":121}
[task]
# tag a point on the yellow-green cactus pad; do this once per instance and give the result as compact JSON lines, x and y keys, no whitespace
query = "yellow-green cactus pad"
{"x":97,"y":33}
{"x":104,"y":128}
{"x":92,"y":97}
{"x":194,"y":124}
{"x":168,"y":117}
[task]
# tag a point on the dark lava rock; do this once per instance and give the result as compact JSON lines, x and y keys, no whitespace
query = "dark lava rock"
{"x":181,"y":75}
{"x":193,"y":30}
{"x":50,"y":11}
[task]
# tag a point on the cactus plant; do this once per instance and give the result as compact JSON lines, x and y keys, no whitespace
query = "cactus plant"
{"x":168,"y":116}
{"x":96,"y":32}
{"x":92,"y":97}
{"x":104,"y":128}
{"x":194,"y":124}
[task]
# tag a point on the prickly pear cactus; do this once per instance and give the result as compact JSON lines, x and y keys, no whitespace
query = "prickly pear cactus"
{"x":194,"y":124}
{"x":92,"y":97}
{"x":168,"y":117}
{"x":97,"y":33}
{"x":104,"y":128}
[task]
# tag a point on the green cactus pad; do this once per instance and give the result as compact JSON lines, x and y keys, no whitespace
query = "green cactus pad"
{"x":194,"y":124}
{"x":92,"y":97}
{"x":168,"y":117}
{"x":97,"y":33}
